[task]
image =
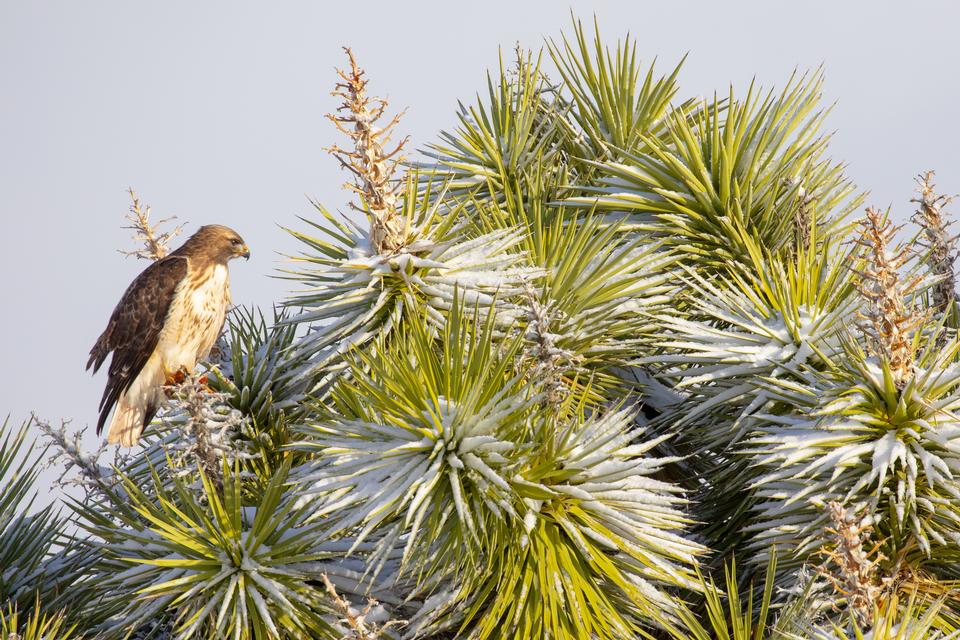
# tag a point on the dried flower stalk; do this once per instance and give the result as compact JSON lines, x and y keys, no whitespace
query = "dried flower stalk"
{"x":154,"y":241}
{"x":548,"y":362}
{"x":889,"y":323}
{"x":940,"y":246}
{"x":372,"y":166}
{"x":856,"y":576}
{"x":547,"y":358}
{"x":205,"y":425}
{"x":83,"y":467}
{"x":802,"y":218}
{"x":360,"y":628}
{"x":801,"y":224}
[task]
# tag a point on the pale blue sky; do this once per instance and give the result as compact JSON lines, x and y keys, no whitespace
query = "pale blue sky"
{"x":213,"y":112}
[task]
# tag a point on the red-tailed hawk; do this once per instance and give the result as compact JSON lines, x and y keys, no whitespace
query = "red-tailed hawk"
{"x":168,"y":320}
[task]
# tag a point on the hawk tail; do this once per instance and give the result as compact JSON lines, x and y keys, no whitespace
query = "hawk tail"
{"x":129,"y":421}
{"x":136,"y":406}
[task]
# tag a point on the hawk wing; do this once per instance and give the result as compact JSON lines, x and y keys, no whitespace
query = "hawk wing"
{"x":134,"y":328}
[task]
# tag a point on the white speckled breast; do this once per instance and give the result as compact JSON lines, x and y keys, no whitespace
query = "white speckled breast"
{"x":195,"y":319}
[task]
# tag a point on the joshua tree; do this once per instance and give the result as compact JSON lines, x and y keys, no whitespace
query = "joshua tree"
{"x":560,"y":374}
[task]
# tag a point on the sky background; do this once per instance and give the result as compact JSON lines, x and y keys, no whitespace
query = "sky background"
{"x":213,"y":112}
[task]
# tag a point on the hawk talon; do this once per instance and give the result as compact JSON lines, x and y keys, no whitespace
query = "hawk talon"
{"x":176,"y":378}
{"x":204,"y":383}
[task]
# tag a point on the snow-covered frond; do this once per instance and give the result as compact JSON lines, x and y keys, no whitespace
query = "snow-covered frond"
{"x":207,"y":563}
{"x":593,"y":312}
{"x":355,"y":294}
{"x":730,"y":172}
{"x":599,"y":541}
{"x":259,"y":369}
{"x":423,"y":444}
{"x":739,"y":332}
{"x":891,"y":455}
{"x":262,"y":374}
{"x":603,"y":481}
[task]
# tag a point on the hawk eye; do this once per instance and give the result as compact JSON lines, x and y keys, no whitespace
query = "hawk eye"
{"x":236,"y":241}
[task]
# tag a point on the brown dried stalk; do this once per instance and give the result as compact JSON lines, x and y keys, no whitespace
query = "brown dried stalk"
{"x":154,"y":242}
{"x":204,"y":426}
{"x":940,"y":246}
{"x":548,"y":361}
{"x":802,"y":221}
{"x":372,"y":166}
{"x":856,"y":575}
{"x":802,"y":217}
{"x":360,"y":629}
{"x":888,"y":322}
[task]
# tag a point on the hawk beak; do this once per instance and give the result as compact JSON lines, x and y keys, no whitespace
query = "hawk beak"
{"x":246,"y":252}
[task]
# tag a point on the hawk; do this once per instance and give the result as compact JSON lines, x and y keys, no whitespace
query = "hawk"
{"x":167,"y":320}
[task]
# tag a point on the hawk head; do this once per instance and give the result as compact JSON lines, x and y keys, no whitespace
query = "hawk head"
{"x":218,"y":243}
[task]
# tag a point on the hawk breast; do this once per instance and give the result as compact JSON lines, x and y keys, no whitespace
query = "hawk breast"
{"x":196,"y":317}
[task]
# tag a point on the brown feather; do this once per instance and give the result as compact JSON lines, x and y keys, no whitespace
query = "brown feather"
{"x":134,"y":328}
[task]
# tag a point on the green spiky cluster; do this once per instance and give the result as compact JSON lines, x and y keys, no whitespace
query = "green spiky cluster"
{"x":591,"y":350}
